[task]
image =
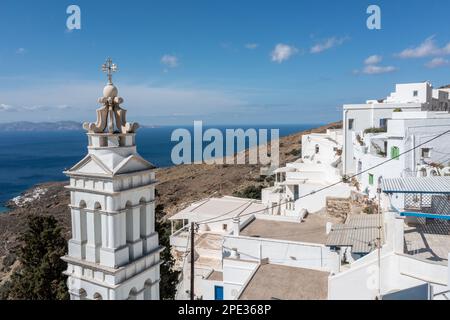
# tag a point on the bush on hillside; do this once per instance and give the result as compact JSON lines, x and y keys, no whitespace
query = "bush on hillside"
{"x":251,"y":192}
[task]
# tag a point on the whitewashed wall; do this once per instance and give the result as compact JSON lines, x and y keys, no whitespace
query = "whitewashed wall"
{"x":289,"y":253}
{"x":236,"y":274}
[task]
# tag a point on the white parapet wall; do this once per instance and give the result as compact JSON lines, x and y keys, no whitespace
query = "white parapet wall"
{"x":398,"y":272}
{"x":236,"y":274}
{"x":289,"y":253}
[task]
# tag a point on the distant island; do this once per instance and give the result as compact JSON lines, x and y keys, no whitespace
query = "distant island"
{"x":41,"y":126}
{"x":47,"y":126}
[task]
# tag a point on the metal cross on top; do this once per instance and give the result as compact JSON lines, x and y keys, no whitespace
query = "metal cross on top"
{"x":109,"y":67}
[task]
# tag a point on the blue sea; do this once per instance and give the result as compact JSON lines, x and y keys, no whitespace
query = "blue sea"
{"x":29,"y":158}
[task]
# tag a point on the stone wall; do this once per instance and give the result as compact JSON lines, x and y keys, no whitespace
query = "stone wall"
{"x":339,"y":207}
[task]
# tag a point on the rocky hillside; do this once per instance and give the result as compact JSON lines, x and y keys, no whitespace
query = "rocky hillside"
{"x":178,"y":186}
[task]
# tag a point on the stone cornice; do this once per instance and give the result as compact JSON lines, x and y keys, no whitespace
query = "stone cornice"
{"x":114,"y":212}
{"x":108,"y":270}
{"x":110,"y":193}
{"x":108,"y":177}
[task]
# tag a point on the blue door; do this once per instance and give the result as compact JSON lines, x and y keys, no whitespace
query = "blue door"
{"x":218,"y":293}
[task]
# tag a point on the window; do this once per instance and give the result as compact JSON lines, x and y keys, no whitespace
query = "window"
{"x":415,"y":93}
{"x":296,"y":192}
{"x":395,"y":153}
{"x":350,"y":124}
{"x":317,"y":148}
{"x":383,"y":123}
{"x":426,"y":152}
{"x":371,"y":179}
{"x":224,"y":227}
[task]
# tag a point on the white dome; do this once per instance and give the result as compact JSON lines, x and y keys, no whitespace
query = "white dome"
{"x":110,"y":91}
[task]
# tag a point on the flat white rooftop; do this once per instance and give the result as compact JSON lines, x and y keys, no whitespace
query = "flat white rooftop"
{"x":312,"y":230}
{"x":224,"y":208}
{"x":411,"y":115}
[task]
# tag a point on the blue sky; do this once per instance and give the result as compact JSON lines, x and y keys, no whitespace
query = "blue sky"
{"x":223,"y":62}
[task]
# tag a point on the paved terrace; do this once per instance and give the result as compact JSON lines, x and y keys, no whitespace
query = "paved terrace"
{"x":312,"y":230}
{"x":286,"y":283}
{"x":429,"y":241}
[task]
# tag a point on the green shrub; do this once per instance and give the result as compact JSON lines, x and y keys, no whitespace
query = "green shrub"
{"x":251,"y":192}
{"x":169,"y":276}
{"x":375,"y":130}
{"x":40,"y":276}
{"x":295,"y":152}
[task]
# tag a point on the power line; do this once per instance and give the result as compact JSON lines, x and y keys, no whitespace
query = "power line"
{"x":194,"y":225}
{"x":247,"y":204}
{"x":339,"y":182}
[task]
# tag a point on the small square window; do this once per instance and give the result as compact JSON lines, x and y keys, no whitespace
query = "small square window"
{"x":415,"y":93}
{"x":350,"y":124}
{"x":426,"y":152}
{"x":224,"y":227}
{"x":395,"y":153}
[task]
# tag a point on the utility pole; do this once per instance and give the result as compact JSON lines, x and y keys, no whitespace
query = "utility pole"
{"x":379,"y":241}
{"x":192,"y":260}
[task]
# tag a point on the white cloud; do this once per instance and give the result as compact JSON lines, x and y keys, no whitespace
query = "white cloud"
{"x":251,"y":46}
{"x":328,"y":44}
{"x":169,"y":60}
{"x":373,"y":69}
{"x":21,"y":51}
{"x":44,"y":101}
{"x":425,"y":49}
{"x":7,"y":108}
{"x":38,"y":108}
{"x":372,"y":66}
{"x":63,"y":107}
{"x":33,"y":108}
{"x":437,"y":62}
{"x":283,"y":52}
{"x":375,"y":59}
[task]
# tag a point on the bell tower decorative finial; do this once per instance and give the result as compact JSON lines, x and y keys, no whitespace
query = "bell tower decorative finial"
{"x":110,"y":116}
{"x":109,"y":68}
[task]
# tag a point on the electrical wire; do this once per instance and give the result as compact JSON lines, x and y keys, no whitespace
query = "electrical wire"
{"x":339,"y":182}
{"x":247,"y":204}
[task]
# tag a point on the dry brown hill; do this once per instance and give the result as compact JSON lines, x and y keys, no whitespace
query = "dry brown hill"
{"x":178,"y":186}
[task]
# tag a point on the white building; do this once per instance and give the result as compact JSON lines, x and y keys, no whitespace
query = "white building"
{"x":238,"y":238}
{"x":319,"y":166}
{"x":216,"y":219}
{"x":405,"y":131}
{"x":413,"y":261}
{"x":374,"y":113}
{"x":285,"y":247}
{"x":114,"y":251}
{"x":276,"y":257}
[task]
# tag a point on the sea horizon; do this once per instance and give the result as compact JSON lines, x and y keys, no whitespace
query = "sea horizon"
{"x":28,"y":158}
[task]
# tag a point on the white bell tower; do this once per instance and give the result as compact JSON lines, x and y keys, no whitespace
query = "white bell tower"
{"x":114,"y":253}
